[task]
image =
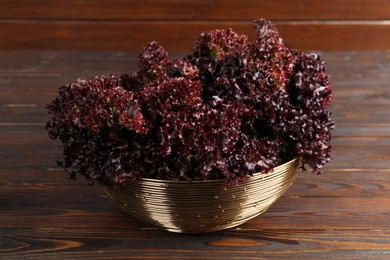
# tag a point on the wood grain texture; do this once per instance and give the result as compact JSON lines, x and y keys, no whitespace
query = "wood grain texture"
{"x":93,"y":210}
{"x":342,"y":214}
{"x":196,"y":10}
{"x":129,"y":25}
{"x":233,"y":244}
{"x":333,"y":183}
{"x":179,"y":35}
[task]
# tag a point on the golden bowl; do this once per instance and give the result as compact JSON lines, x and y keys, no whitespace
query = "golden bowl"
{"x":202,"y":206}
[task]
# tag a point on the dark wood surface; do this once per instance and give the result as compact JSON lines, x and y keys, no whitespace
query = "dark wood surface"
{"x":125,"y":25}
{"x":342,"y":214}
{"x":234,"y":10}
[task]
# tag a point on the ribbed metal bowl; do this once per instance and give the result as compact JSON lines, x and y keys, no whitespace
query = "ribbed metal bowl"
{"x":202,"y":206}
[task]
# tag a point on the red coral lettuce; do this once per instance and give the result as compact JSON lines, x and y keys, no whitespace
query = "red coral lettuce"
{"x":227,"y":110}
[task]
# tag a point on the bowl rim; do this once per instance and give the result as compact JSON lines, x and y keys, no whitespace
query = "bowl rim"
{"x":297,"y":159}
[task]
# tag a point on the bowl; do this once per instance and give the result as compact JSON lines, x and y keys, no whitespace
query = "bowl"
{"x":202,"y":206}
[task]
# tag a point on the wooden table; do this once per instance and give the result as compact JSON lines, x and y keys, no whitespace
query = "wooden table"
{"x":342,"y":214}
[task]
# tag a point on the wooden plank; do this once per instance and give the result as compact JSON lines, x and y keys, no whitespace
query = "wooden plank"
{"x":356,"y":58}
{"x":352,"y":73}
{"x":341,"y":183}
{"x":52,"y":183}
{"x":39,"y":157}
{"x":97,"y":211}
{"x":178,"y":36}
{"x":366,"y":130}
{"x":72,"y":243}
{"x":196,"y":10}
{"x":359,"y":156}
{"x":348,"y":75}
{"x":30,"y":87}
{"x":37,"y":101}
{"x":346,"y":65}
{"x":18,"y":64}
{"x":24,"y":115}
